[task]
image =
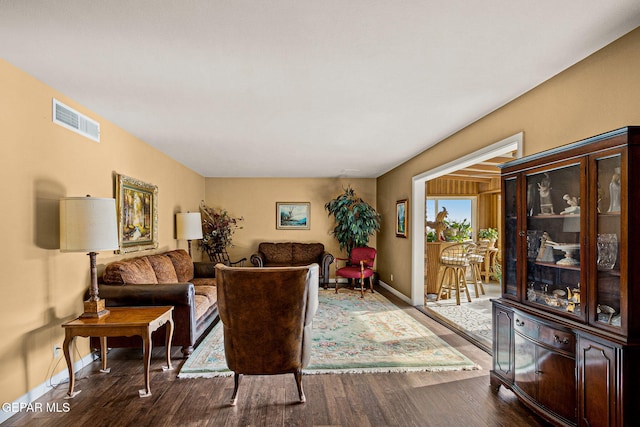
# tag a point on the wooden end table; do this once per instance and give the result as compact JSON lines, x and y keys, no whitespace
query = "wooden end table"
{"x":120,"y":322}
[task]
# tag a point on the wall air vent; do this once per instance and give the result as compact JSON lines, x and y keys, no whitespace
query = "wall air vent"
{"x":69,"y":118}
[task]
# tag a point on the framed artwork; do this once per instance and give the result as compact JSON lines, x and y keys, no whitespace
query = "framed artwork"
{"x":401,"y":218}
{"x":137,"y":204}
{"x":292,"y":215}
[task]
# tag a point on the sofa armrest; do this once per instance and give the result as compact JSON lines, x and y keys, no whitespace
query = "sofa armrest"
{"x":312,"y":301}
{"x":258,"y":259}
{"x":148,"y":295}
{"x":204,"y":269}
{"x":326,"y":261}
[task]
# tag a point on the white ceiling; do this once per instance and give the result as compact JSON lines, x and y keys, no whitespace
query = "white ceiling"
{"x":301,"y":88}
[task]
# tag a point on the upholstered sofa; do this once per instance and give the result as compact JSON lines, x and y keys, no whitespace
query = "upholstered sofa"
{"x":169,"y":278}
{"x":294,"y":254}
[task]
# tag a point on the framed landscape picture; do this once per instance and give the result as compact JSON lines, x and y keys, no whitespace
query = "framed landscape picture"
{"x":292,"y":215}
{"x":137,"y":204}
{"x":401,"y":218}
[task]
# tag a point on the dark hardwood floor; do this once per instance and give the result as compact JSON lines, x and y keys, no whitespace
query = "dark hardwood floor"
{"x":458,"y":398}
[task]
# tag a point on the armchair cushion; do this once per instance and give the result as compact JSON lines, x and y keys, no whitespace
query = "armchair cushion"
{"x":354,"y":272}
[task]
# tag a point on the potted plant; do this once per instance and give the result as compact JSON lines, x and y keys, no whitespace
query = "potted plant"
{"x":457,"y":231}
{"x":490,"y":234}
{"x":217,"y":229}
{"x":356,"y":220}
{"x":497,"y":272}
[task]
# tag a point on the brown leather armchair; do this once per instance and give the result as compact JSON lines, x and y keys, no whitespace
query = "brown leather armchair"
{"x":266,"y":314}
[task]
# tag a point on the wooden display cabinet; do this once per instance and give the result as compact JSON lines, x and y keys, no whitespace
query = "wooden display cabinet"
{"x":567,"y":327}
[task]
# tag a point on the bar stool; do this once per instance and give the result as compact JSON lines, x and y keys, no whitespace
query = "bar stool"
{"x":455,"y":260}
{"x":487,"y":270}
{"x":476,"y":263}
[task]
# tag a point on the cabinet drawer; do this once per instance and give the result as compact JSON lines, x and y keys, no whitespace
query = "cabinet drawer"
{"x":544,"y":334}
{"x":526,"y":326}
{"x":556,"y":338}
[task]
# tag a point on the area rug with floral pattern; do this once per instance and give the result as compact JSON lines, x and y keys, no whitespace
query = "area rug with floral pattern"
{"x":351,"y":335}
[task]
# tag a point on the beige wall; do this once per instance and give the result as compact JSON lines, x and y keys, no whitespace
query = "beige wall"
{"x":41,"y":162}
{"x":255,"y":199}
{"x":599,"y":94}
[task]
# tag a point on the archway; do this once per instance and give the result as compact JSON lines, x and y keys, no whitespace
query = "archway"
{"x":507,"y":145}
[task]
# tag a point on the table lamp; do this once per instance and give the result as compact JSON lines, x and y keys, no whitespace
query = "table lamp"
{"x":188,"y":227}
{"x":89,"y":224}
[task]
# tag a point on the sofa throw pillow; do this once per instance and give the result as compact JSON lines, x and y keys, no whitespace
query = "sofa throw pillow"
{"x":135,"y":271}
{"x":164,"y":269}
{"x":182,"y":263}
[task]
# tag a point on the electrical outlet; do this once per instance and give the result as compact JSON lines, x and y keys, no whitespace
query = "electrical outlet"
{"x":56,"y":350}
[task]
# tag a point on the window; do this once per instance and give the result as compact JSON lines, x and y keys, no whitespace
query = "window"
{"x":458,"y":208}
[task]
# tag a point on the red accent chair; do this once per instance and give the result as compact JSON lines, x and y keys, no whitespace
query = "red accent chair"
{"x":358,"y":266}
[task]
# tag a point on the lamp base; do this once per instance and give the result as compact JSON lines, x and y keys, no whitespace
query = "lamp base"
{"x":94,"y":309}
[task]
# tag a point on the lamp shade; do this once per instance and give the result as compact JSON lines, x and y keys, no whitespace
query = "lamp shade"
{"x":188,"y":226}
{"x":88,"y":224}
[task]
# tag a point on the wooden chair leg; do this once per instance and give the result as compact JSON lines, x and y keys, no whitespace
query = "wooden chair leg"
{"x":457,"y":285}
{"x":479,"y":280}
{"x":442,"y":279}
{"x":236,"y":383}
{"x":298,"y":375}
{"x":465,"y":284}
{"x":474,"y":277}
{"x":371,"y":283}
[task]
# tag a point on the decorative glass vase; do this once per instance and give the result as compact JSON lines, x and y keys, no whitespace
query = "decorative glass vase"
{"x":607,"y":251}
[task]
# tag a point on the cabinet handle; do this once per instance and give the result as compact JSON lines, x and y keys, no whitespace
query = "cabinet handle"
{"x":564,"y":340}
{"x":522,"y":234}
{"x":519,"y":322}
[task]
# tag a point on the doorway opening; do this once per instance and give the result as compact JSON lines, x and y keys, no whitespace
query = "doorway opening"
{"x":472,"y":320}
{"x":512,"y":144}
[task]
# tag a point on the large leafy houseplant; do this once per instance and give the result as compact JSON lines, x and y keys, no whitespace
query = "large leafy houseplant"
{"x":356,"y":220}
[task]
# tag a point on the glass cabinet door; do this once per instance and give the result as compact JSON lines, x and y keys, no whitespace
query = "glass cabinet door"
{"x":553,"y":251}
{"x":510,"y":250}
{"x":608,"y":236}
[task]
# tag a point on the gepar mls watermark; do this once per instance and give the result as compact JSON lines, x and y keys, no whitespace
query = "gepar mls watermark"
{"x":15,"y":407}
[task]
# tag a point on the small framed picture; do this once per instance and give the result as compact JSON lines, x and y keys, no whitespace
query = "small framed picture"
{"x":292,"y":215}
{"x":401,"y":218}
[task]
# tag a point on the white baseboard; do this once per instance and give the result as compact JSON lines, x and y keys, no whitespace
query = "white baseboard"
{"x":21,"y":404}
{"x":395,"y":292}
